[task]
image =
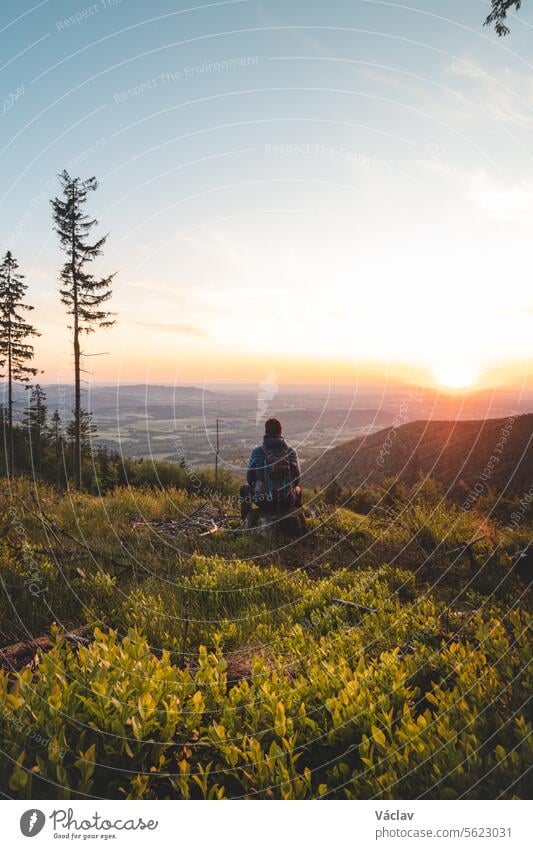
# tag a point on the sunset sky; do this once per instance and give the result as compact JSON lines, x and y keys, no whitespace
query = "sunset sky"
{"x":328,"y":188}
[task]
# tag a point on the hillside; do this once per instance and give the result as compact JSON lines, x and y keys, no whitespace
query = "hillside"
{"x":146,"y":658}
{"x":455,"y":453}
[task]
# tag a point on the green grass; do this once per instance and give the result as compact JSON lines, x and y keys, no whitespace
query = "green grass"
{"x":225,"y":666}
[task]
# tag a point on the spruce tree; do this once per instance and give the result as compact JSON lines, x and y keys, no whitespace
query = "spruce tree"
{"x":87,"y":431}
{"x":3,"y":425}
{"x":107,"y":476}
{"x":56,"y":441}
{"x":84,"y":295}
{"x":15,"y":350}
{"x":35,"y":422}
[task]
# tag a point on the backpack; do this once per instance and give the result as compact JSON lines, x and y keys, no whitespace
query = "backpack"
{"x":277,"y":474}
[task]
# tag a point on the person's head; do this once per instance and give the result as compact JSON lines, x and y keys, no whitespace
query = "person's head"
{"x":272,"y":427}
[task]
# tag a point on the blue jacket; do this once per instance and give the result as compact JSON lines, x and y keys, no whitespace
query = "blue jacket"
{"x":258,"y":460}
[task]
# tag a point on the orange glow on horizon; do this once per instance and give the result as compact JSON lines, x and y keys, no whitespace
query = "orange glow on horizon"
{"x":202,"y":369}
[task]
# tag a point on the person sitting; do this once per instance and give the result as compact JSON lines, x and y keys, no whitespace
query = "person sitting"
{"x":273,"y":476}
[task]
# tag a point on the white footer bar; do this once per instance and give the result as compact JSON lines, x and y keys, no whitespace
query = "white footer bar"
{"x":272,"y":824}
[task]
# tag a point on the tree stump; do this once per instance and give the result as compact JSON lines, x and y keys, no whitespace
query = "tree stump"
{"x":291,"y":524}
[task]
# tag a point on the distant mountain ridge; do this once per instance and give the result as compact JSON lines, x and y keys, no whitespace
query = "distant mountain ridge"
{"x":494,"y":453}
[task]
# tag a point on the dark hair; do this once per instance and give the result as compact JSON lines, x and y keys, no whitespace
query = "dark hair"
{"x":272,"y":427}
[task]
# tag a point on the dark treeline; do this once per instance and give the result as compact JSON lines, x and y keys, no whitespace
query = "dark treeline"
{"x":45,"y":449}
{"x":393,"y":494}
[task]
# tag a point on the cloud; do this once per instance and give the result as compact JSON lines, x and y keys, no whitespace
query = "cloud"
{"x":507,"y":97}
{"x":147,"y":285}
{"x":462,"y":68}
{"x":216,"y":244}
{"x":175,"y":329}
{"x":506,"y":201}
{"x":437,"y":166}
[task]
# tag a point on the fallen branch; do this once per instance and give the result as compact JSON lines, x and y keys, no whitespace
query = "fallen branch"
{"x":204,"y":519}
{"x":466,"y":548}
{"x":18,"y":655}
{"x":463,"y":545}
{"x":354,"y":604}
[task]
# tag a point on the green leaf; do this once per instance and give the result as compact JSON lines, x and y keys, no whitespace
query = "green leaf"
{"x":379,"y":737}
{"x":280,"y":721}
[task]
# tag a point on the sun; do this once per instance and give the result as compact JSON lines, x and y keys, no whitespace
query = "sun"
{"x":455,"y":375}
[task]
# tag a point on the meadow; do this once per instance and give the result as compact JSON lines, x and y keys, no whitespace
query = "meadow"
{"x":379,"y":655}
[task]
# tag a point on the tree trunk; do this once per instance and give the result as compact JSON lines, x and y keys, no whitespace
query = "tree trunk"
{"x":39,"y":438}
{"x":77,"y":375}
{"x":56,"y":437}
{"x":77,"y":406}
{"x":10,"y":464}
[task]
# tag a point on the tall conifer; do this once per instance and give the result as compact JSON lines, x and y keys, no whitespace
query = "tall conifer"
{"x":84,"y":295}
{"x":15,"y":350}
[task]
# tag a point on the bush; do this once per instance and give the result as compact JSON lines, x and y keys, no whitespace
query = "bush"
{"x":326,"y":715}
{"x":312,"y":670}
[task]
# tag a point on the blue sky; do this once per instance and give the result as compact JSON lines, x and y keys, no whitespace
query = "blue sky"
{"x":335,"y":182}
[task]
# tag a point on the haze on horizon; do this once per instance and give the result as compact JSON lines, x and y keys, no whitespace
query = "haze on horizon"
{"x":327,"y":191}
